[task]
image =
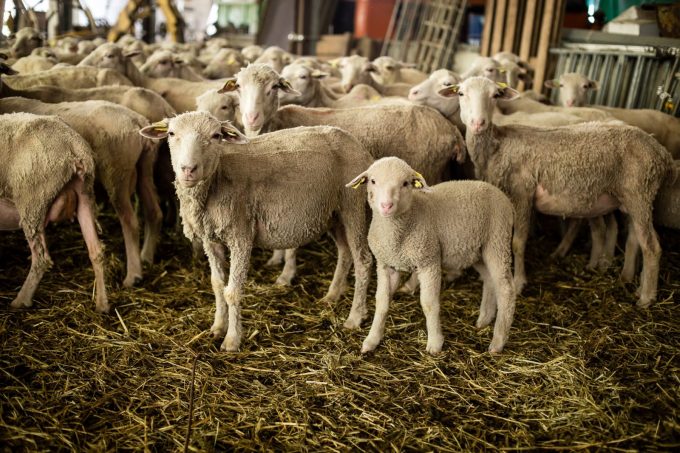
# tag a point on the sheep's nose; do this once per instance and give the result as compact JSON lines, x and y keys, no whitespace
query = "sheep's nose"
{"x":478,"y":123}
{"x":252,"y":117}
{"x":570,"y":102}
{"x":413,"y":93}
{"x":188,"y":171}
{"x":386,"y":206}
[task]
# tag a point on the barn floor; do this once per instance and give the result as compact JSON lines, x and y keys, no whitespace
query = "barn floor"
{"x":583,"y":368}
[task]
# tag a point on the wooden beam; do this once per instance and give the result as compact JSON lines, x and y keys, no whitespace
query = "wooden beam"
{"x":499,"y":27}
{"x":489,"y":14}
{"x":544,"y":42}
{"x":511,"y":27}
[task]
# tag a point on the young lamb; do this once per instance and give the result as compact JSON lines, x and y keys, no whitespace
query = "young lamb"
{"x":69,"y":77}
{"x":393,"y":71}
{"x":251,"y":53}
{"x":281,"y":190}
{"x":357,"y":70}
{"x":225,"y":63}
{"x":559,"y":172}
{"x":164,"y":63}
{"x":122,"y":160}
{"x":47,"y":175}
{"x":450,"y":226}
{"x":574,"y":89}
{"x":275,"y":57}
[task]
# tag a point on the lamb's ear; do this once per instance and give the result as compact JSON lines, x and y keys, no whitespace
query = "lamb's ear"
{"x":319,"y":74}
{"x":5,"y":69}
{"x":286,"y":87}
{"x":418,"y":182}
{"x":449,"y":91}
{"x":131,"y":53}
{"x":552,"y":83}
{"x":232,"y":135}
{"x":156,"y":131}
{"x":229,"y":85}
{"x":593,"y":85}
{"x":505,"y":92}
{"x":358,"y":181}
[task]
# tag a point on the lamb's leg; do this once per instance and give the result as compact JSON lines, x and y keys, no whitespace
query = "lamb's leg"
{"x":40,"y":262}
{"x":574,"y":225}
{"x":153,"y":217}
{"x":86,"y":219}
{"x":651,"y":256}
{"x":411,"y":285}
{"x":216,"y":258}
{"x":497,"y":262}
{"x":610,"y":242}
{"x":394,"y":281}
{"x":238,"y":272}
{"x":289,"y":268}
{"x":430,"y":285}
{"x":339,"y":282}
{"x":120,"y":199}
{"x":519,"y":241}
{"x":487,"y":308}
{"x":356,"y":234}
{"x":382,"y":305}
{"x":598,"y":232}
{"x":630,"y":254}
{"x":276,"y":259}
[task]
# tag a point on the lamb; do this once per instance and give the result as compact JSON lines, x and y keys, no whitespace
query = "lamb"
{"x":275,"y":57}
{"x":33,"y":63}
{"x":279,"y":191}
{"x":251,"y":53}
{"x":486,"y":67}
{"x":559,"y":172}
{"x":515,"y":68}
{"x":58,"y":186}
{"x":25,"y":40}
{"x":164,"y":63}
{"x":69,"y":77}
{"x":393,"y":71}
{"x":453,"y":225}
{"x":223,"y":106}
{"x":357,"y":70}
{"x":665,"y":128}
{"x":122,"y":159}
{"x":225,"y":63}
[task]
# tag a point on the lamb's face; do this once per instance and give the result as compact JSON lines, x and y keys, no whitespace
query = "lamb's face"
{"x":27,"y":39}
{"x":486,"y":67}
{"x":275,"y":57}
{"x":303,"y":79}
{"x":251,"y":53}
{"x":110,"y":56}
{"x":196,"y":141}
{"x":160,"y":64}
{"x":221,"y":105}
{"x":388,"y":68}
{"x":478,"y":97}
{"x":427,"y":92}
{"x":390,"y":184}
{"x":355,"y":70}
{"x":573,"y":88}
{"x":225,"y":63}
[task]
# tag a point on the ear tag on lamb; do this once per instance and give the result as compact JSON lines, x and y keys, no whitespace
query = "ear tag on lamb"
{"x":502,"y":70}
{"x":229,"y":85}
{"x":231,"y":60}
{"x":359,"y":183}
{"x":502,"y":85}
{"x":160,"y":126}
{"x":416,"y":182}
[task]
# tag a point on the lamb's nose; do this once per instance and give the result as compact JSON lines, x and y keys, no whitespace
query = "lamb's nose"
{"x":413,"y":94}
{"x":387,"y":206}
{"x":478,"y":123}
{"x":187,"y":170}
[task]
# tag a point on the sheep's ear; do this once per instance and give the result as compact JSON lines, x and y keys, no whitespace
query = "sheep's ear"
{"x":334,"y":63}
{"x":319,"y":74}
{"x":231,"y":134}
{"x":370,"y":67}
{"x":358,"y":181}
{"x":449,"y":91}
{"x":3,"y":56}
{"x":131,"y":53}
{"x":505,"y":92}
{"x":178,"y":61}
{"x":157,"y":130}
{"x":593,"y":85}
{"x":231,"y":60}
{"x":418,"y":182}
{"x":286,"y":87}
{"x":287,"y":59}
{"x":5,"y":69}
{"x":229,"y":85}
{"x":551,"y":83}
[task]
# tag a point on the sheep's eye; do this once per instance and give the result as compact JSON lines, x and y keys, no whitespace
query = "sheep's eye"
{"x":405,"y":184}
{"x":447,"y":84}
{"x":585,"y":87}
{"x":489,"y":70}
{"x":171,"y":134}
{"x":224,"y":107}
{"x":460,"y":94}
{"x":389,"y":68}
{"x":303,"y":77}
{"x":372,"y":181}
{"x":561,"y":85}
{"x":497,"y":95}
{"x":217,"y":136}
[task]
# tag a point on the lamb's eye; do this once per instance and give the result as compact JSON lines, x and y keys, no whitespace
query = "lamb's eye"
{"x":303,"y":77}
{"x":447,"y":84}
{"x":405,"y":184}
{"x":372,"y":181}
{"x":561,"y":85}
{"x":460,"y":94}
{"x":224,"y":107}
{"x":171,"y":134}
{"x":217,"y":136}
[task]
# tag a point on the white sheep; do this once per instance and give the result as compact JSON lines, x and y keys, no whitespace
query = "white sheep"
{"x":275,"y":57}
{"x":47,"y":175}
{"x":450,"y":226}
{"x":225,"y":63}
{"x":281,"y":190}
{"x":357,"y":70}
{"x":164,"y":63}
{"x":69,"y":77}
{"x":393,"y":71}
{"x":559,"y":172}
{"x":251,"y":53}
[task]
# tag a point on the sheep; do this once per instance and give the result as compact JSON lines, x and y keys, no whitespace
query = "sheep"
{"x":453,"y":225}
{"x":25,"y":40}
{"x":69,"y":77}
{"x":559,"y":172}
{"x":515,"y":68}
{"x":33,"y":63}
{"x":225,"y":63}
{"x":279,"y":191}
{"x":275,"y":57}
{"x":47,"y":175}
{"x":357,"y":70}
{"x":573,"y":91}
{"x":86,"y":47}
{"x":486,"y":67}
{"x":223,"y":106}
{"x":391,"y":71}
{"x":251,"y":53}
{"x":164,"y":63}
{"x":122,"y":159}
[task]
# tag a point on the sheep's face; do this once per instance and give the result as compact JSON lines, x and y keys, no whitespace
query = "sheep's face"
{"x":355,"y":70}
{"x":486,"y":67}
{"x":225,"y":63}
{"x":573,"y":88}
{"x":160,"y":64}
{"x":196,"y":142}
{"x":390,"y":184}
{"x":390,"y":69}
{"x":251,"y":53}
{"x":304,"y":80}
{"x":26,"y":40}
{"x":109,"y":56}
{"x":478,"y":97}
{"x":427,"y":92}
{"x":221,"y":105}
{"x":275,"y":57}
{"x":258,"y":87}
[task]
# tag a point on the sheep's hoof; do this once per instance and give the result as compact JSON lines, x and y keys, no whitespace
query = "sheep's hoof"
{"x":273,"y":262}
{"x":283,"y":281}
{"x":218,"y":331}
{"x":627,"y":277}
{"x":102,"y":307}
{"x":495,"y":350}
{"x":369,"y":344}
{"x":131,"y":280}
{"x":21,"y":302}
{"x":329,"y":299}
{"x":230,"y":344}
{"x":483,"y":322}
{"x":352,"y":322}
{"x":147,"y":257}
{"x":434,"y":346}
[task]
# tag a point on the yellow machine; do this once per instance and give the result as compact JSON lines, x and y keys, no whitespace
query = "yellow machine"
{"x":140,"y":9}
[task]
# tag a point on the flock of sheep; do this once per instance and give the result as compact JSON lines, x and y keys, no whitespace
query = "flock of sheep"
{"x":259,"y":148}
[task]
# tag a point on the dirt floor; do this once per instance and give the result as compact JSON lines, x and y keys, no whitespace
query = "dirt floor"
{"x":583,"y":369}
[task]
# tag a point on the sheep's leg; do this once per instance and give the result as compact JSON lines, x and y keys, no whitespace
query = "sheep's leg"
{"x":276,"y":259}
{"x":598,"y":232}
{"x":573,"y":226}
{"x":86,"y":220}
{"x":651,"y":256}
{"x":289,"y":268}
{"x":40,"y":262}
{"x":238,"y":272}
{"x":519,"y":241}
{"x":430,"y":285}
{"x":153,"y":217}
{"x":411,"y":285}
{"x":216,"y":258}
{"x":130,"y":226}
{"x":339,"y":282}
{"x":487,"y":308}
{"x":630,"y":254}
{"x":501,"y":278}
{"x":610,"y":242}
{"x":382,"y":305}
{"x":394,"y":281}
{"x":356,"y":233}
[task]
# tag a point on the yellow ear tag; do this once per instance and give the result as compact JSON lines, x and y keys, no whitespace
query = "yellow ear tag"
{"x":502,"y":70}
{"x":416,"y":182}
{"x":375,"y":98}
{"x":231,"y":60}
{"x":230,"y":85}
{"x":359,"y":183}
{"x":669,"y":105}
{"x":502,"y":85}
{"x":160,"y":126}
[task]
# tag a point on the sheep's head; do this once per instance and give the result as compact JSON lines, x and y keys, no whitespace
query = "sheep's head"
{"x":251,"y":53}
{"x":86,"y":47}
{"x":225,"y":63}
{"x":574,"y":88}
{"x":427,"y":92}
{"x":196,"y":142}
{"x":46,"y":52}
{"x":163,"y":63}
{"x":258,"y":87}
{"x":355,"y":70}
{"x":221,"y":105}
{"x":26,"y":40}
{"x":275,"y":57}
{"x":486,"y":67}
{"x":390,"y":68}
{"x":109,"y":56}
{"x":390,"y":183}
{"x":304,"y":79}
{"x":478,"y":97}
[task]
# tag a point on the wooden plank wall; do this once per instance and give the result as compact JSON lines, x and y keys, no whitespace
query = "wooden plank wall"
{"x":527,"y":28}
